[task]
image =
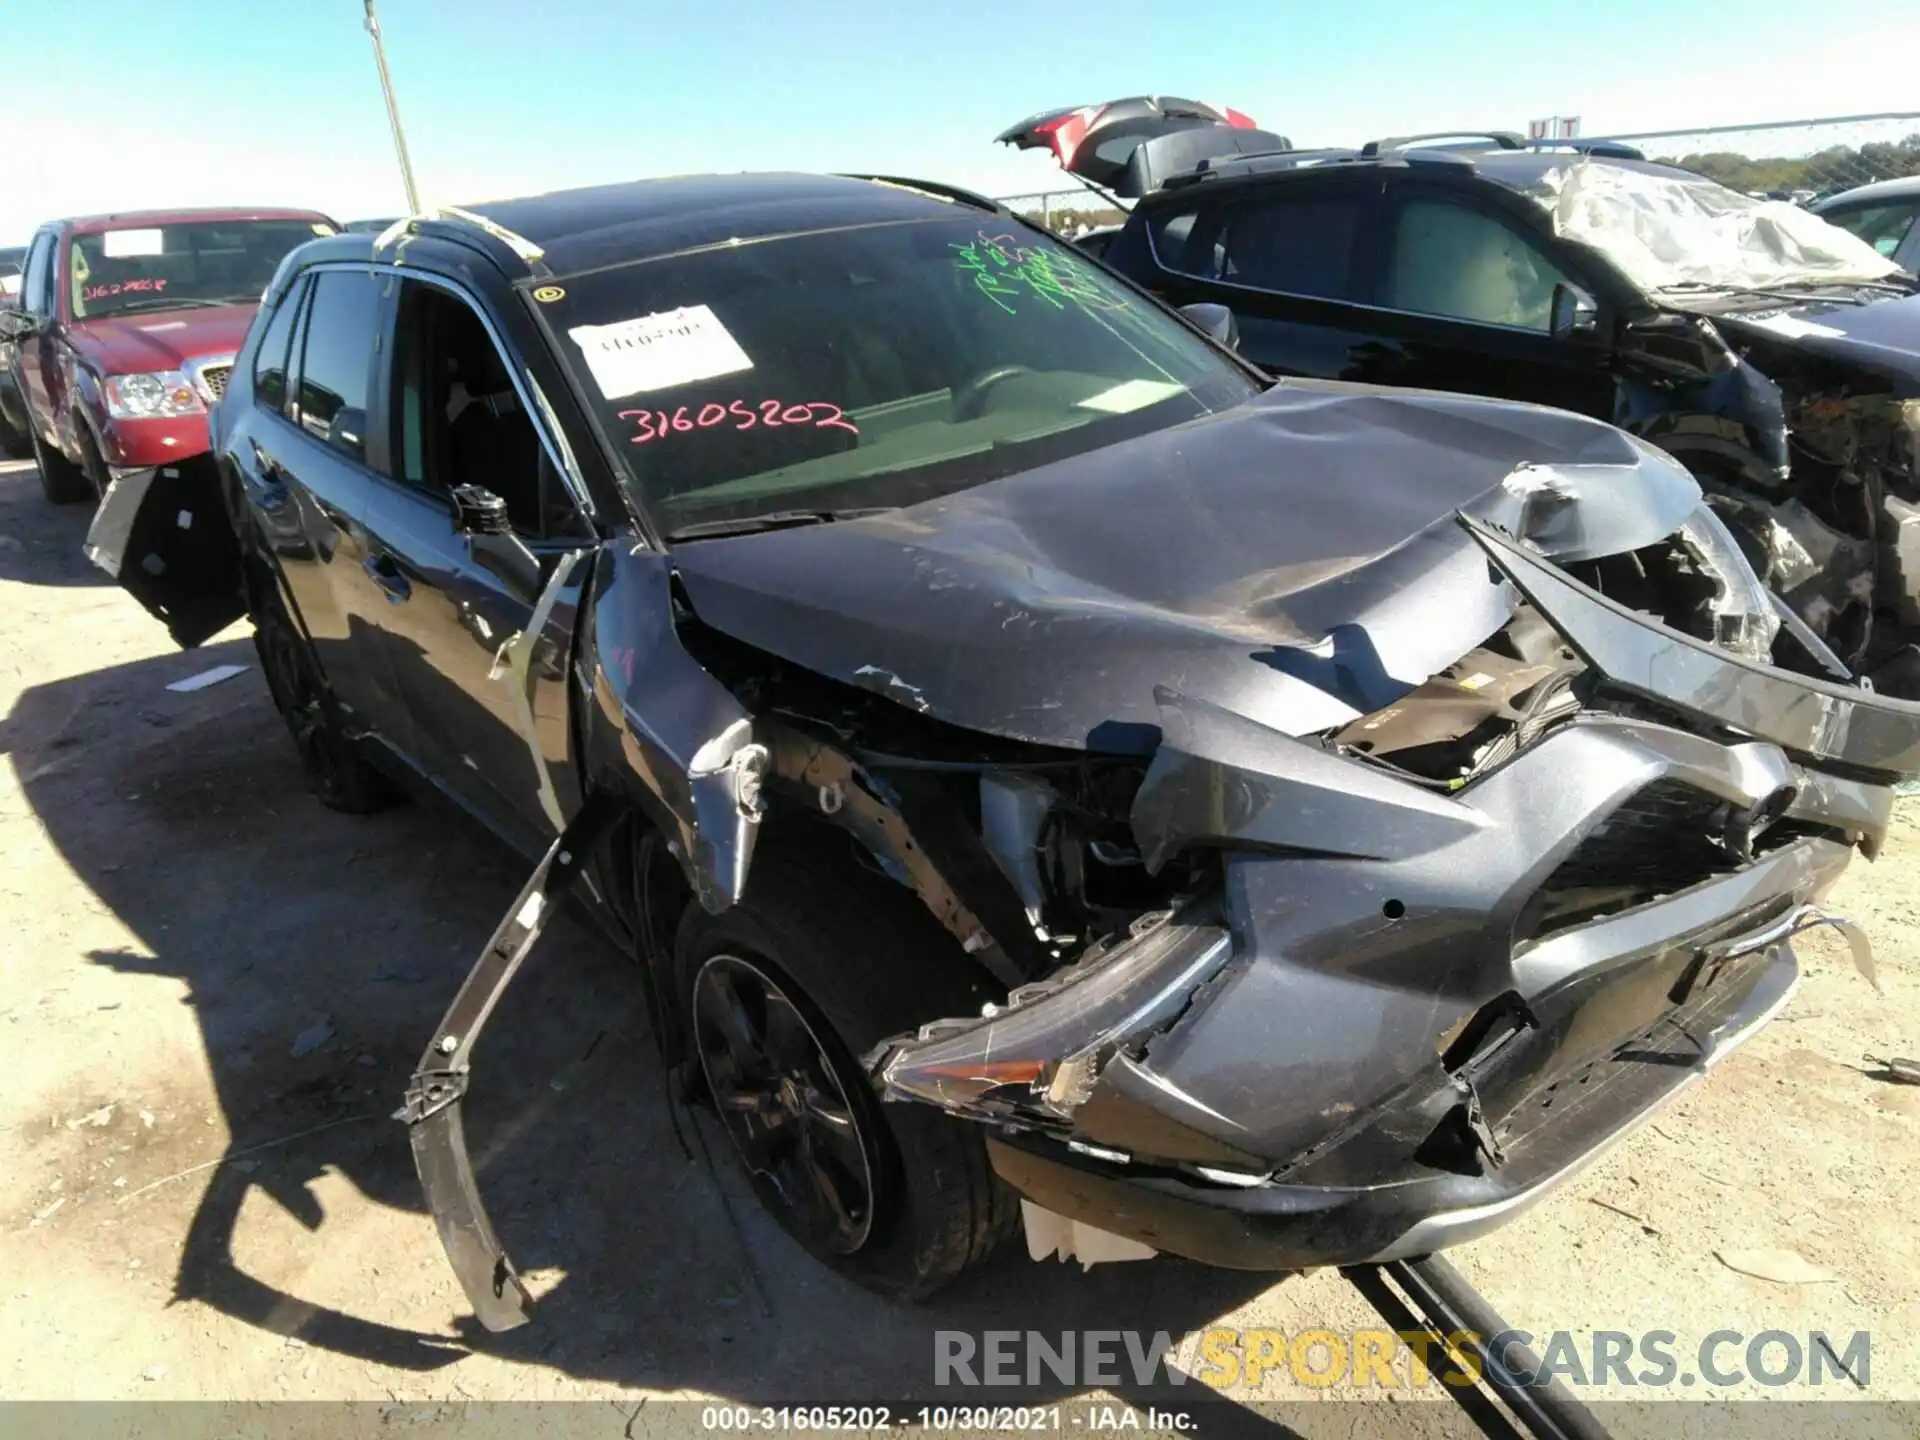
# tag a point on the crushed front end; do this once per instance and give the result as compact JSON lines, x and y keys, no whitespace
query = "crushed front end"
{"x":1425,"y":965}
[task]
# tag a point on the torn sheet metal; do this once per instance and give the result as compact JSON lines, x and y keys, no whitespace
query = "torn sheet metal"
{"x":1804,"y":715}
{"x":847,"y":796}
{"x":432,"y":1105}
{"x":1265,"y":557}
{"x":513,"y":666}
{"x":112,"y":529}
{"x":668,"y":734}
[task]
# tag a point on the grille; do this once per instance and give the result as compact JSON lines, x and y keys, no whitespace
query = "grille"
{"x":214,"y":379}
{"x":1665,"y":837}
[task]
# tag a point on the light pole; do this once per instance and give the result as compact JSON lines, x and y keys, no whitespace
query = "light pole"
{"x":393,"y":111}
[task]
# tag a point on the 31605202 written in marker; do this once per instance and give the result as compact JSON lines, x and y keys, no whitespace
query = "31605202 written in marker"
{"x":772,"y":414}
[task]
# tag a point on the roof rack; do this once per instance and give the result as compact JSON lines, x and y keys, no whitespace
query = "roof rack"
{"x":1605,"y":149}
{"x":1256,"y":162}
{"x":1502,"y":140}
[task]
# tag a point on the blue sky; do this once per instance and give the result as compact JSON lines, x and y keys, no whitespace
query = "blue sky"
{"x":111,"y":105}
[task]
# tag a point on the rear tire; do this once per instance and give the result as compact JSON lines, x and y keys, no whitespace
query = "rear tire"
{"x":337,"y":773}
{"x":61,"y":481}
{"x":855,"y":958}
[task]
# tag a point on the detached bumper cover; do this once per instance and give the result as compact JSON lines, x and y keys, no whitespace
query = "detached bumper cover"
{"x":1375,"y":1046}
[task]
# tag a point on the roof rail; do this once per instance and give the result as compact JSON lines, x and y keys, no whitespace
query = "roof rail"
{"x":1605,"y":149}
{"x":937,"y":189}
{"x":1502,"y":139}
{"x":1255,"y":162}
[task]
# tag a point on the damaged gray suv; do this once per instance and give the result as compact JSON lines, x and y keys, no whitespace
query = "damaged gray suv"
{"x":1029,"y":753}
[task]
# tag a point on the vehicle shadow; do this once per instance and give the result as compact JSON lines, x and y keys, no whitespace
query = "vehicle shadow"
{"x":318,"y":950}
{"x":40,"y":541}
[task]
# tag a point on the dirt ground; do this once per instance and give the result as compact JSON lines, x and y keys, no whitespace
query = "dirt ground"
{"x":212,"y":991}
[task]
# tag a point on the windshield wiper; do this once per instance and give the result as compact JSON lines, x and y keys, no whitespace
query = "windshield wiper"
{"x":1807,"y":291}
{"x":772,"y":520}
{"x":166,"y":302}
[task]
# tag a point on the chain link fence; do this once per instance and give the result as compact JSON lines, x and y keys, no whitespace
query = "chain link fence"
{"x":1803,"y":160}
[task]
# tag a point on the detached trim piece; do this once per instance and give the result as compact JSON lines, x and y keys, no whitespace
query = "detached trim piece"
{"x":1811,"y":717}
{"x":432,"y":1106}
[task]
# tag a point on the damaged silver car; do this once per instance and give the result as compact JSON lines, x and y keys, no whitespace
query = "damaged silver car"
{"x":1031,"y":754}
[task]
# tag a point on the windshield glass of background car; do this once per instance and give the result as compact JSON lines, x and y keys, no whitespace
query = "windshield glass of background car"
{"x":1664,"y":230}
{"x":874,"y":366}
{"x":157,"y":267}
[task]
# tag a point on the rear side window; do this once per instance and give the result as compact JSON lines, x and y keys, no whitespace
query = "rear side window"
{"x":270,"y":360}
{"x":1881,"y":226}
{"x":336,"y":366}
{"x":1295,"y":245}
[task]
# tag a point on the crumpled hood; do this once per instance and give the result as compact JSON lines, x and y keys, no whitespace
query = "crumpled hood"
{"x":161,"y":339}
{"x":1882,"y":335}
{"x":1295,"y":559}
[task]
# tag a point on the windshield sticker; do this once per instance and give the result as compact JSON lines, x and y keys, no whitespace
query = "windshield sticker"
{"x":658,"y":424}
{"x":1131,"y":395}
{"x":122,"y":287}
{"x":124,"y":244}
{"x":1794,"y":329}
{"x":1008,"y":273}
{"x":659,"y":351}
{"x":320,"y":228}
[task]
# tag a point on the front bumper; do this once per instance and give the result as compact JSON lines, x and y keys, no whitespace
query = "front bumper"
{"x":1393,"y":1051}
{"x":142,"y":444}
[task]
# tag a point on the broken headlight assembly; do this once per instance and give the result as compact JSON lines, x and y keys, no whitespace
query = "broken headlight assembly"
{"x":1040,"y":1054}
{"x":1740,"y":612}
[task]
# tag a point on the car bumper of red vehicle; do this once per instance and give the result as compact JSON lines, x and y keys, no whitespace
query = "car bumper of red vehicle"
{"x":142,"y":444}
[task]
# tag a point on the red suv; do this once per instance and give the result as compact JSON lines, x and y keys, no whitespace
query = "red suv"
{"x":126,"y":329}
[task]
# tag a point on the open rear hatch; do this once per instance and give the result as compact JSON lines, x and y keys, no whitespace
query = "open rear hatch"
{"x":1131,"y":146}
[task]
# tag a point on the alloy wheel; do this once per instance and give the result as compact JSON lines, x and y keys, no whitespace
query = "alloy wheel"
{"x":783,"y":1106}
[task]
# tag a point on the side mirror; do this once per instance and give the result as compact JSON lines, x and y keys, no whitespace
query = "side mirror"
{"x":1575,"y":313}
{"x":1215,"y":320}
{"x":481,"y":516}
{"x":478,"y":511}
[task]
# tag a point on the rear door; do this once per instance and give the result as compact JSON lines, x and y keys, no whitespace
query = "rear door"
{"x":1463,"y":300}
{"x":33,"y":356}
{"x":313,"y":474}
{"x":1291,"y":260}
{"x":480,"y":645}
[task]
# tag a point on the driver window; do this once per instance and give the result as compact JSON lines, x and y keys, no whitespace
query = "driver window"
{"x":1451,"y":260}
{"x":458,"y":420}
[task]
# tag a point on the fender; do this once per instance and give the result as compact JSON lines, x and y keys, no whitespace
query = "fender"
{"x":662,"y":731}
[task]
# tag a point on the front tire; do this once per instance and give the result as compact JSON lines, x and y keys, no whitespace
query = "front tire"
{"x":337,"y":773}
{"x":61,"y":481}
{"x":819,"y":962}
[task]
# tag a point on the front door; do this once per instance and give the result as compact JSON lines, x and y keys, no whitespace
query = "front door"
{"x":480,"y":647}
{"x":1464,"y":297}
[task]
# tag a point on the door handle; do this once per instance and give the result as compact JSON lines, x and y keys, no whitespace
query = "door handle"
{"x":269,"y":467}
{"x":384,"y":573}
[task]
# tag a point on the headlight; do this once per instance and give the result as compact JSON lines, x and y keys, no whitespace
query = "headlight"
{"x":1744,"y":620}
{"x":152,"y":396}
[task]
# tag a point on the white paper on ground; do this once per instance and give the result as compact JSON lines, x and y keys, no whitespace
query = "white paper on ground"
{"x":655,"y":352}
{"x":119,"y":244}
{"x":208,"y":677}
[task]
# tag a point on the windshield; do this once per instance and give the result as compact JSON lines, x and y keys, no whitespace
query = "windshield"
{"x":1667,"y":230}
{"x":875,"y":366}
{"x":160,"y":267}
